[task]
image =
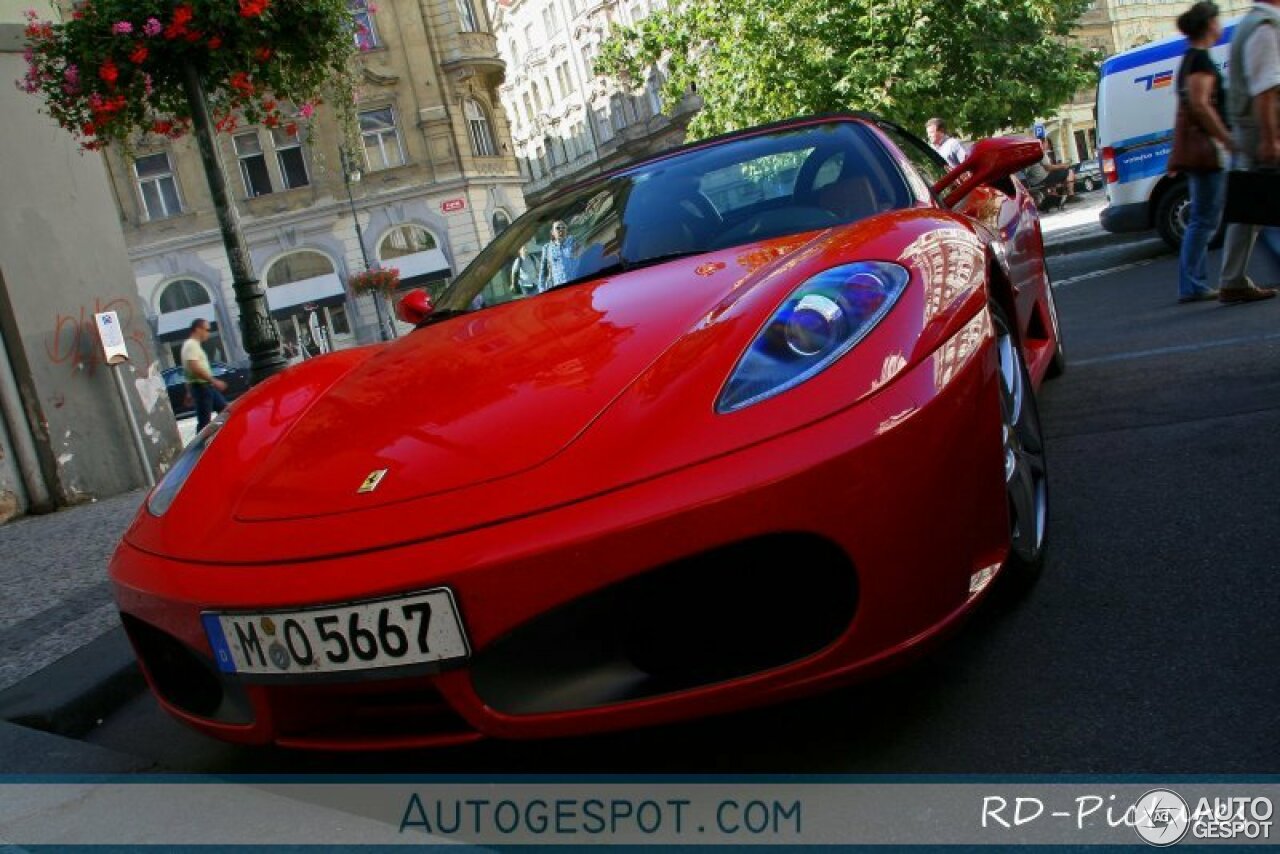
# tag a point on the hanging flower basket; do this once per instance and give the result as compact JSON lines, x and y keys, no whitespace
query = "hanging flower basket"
{"x":375,"y":281}
{"x":116,"y":67}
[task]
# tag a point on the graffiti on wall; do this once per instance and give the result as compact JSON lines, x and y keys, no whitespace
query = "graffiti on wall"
{"x":74,"y":339}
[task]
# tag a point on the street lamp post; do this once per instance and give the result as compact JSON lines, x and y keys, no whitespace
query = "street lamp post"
{"x":261,"y":339}
{"x":351,"y":175}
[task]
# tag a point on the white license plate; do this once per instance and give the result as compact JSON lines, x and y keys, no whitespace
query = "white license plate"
{"x":406,"y":630}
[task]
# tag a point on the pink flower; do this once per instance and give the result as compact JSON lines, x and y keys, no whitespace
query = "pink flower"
{"x":122,"y":28}
{"x":307,"y":111}
{"x":72,"y":75}
{"x":152,"y":27}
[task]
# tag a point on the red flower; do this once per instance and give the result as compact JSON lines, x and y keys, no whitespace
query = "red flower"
{"x":291,"y":128}
{"x":162,"y":126}
{"x":263,"y":54}
{"x":193,"y":36}
{"x":139,"y":54}
{"x":88,"y":129}
{"x":215,"y":42}
{"x":241,"y":83}
{"x":271,"y":121}
{"x":227,"y":124}
{"x":178,"y":27}
{"x":109,"y":73}
{"x":253,"y":8}
{"x":269,"y":105}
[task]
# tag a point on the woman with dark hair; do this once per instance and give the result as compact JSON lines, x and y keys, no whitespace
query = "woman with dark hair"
{"x":1201,"y":100}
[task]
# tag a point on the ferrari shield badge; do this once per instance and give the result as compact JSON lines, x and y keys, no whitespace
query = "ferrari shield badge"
{"x":371,"y":482}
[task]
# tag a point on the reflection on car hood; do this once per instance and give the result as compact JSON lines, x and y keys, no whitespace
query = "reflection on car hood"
{"x":478,"y":397}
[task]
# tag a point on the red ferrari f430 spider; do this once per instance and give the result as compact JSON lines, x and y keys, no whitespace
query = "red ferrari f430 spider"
{"x":739,"y":422}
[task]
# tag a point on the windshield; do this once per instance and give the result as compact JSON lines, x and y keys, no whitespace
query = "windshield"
{"x":725,"y":195}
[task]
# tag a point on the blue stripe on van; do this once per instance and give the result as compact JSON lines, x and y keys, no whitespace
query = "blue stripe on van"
{"x":1144,"y":161}
{"x":1146,"y":139}
{"x":1155,"y":53}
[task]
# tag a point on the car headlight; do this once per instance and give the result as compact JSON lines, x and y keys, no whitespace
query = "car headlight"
{"x":167,"y":489}
{"x":817,"y":324}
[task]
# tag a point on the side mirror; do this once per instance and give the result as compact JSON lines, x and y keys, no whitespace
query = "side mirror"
{"x":415,"y":307}
{"x":989,"y":161}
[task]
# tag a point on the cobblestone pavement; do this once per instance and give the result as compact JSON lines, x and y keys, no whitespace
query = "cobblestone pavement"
{"x":54,"y":596}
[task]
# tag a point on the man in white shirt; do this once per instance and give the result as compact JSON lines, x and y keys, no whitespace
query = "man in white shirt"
{"x":206,"y":390}
{"x":947,"y":146}
{"x":1253,"y":105}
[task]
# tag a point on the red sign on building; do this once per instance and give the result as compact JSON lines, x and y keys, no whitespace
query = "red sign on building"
{"x":453,"y":205}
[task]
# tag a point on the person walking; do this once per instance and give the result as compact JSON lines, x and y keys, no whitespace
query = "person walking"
{"x":524,"y":276}
{"x":948,"y":147}
{"x":1201,"y":110}
{"x":558,"y":263}
{"x":206,"y":390}
{"x":1253,"y":107}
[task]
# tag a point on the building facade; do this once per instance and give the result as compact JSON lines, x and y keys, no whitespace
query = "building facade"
{"x":66,"y":436}
{"x":1110,"y":27}
{"x":434,"y":181}
{"x":567,"y":122}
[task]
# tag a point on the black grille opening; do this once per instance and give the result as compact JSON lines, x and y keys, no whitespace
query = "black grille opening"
{"x":184,"y":678}
{"x":363,"y":711}
{"x":731,"y":612}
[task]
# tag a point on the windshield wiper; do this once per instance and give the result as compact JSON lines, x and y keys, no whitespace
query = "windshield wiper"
{"x":627,"y":266}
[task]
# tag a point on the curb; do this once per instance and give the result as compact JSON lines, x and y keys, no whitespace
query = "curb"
{"x":1080,"y":242}
{"x":71,"y":696}
{"x":1096,"y":240}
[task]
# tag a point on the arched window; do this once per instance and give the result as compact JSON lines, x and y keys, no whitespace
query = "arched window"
{"x":501,"y":221}
{"x":181,"y":294}
{"x":296,"y":267}
{"x":405,"y":240}
{"x":481,"y":134}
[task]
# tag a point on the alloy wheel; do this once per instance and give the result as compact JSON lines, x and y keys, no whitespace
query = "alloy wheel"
{"x":1025,"y":472}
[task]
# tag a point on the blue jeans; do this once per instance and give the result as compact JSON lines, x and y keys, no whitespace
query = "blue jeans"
{"x":208,"y":400}
{"x":1208,"y":195}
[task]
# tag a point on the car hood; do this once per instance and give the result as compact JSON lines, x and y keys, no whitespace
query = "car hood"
{"x":504,"y":413}
{"x":477,"y":397}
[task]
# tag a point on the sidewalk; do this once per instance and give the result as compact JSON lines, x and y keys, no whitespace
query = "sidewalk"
{"x":1076,"y":226}
{"x":54,"y":597}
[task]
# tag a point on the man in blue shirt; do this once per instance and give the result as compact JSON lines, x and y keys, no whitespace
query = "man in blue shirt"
{"x":558,"y":263}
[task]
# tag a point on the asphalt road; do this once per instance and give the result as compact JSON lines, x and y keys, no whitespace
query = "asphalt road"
{"x":1149,"y":646}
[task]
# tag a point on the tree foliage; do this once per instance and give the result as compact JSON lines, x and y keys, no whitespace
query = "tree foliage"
{"x":984,"y":66}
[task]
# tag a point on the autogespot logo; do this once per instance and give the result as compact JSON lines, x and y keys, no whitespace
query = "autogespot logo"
{"x":1162,"y":817}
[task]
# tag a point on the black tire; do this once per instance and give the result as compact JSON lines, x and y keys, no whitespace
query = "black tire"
{"x":1171,"y":214}
{"x":1090,"y":184}
{"x":1026,"y":472}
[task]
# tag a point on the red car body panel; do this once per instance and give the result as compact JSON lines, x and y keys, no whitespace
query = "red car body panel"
{"x":545,"y":449}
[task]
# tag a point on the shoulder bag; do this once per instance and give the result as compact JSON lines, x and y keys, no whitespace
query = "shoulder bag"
{"x":1193,"y":149}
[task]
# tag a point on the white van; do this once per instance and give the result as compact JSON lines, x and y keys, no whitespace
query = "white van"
{"x":1137,"y":99}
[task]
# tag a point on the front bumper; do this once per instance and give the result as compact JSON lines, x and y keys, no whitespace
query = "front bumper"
{"x":905,"y":489}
